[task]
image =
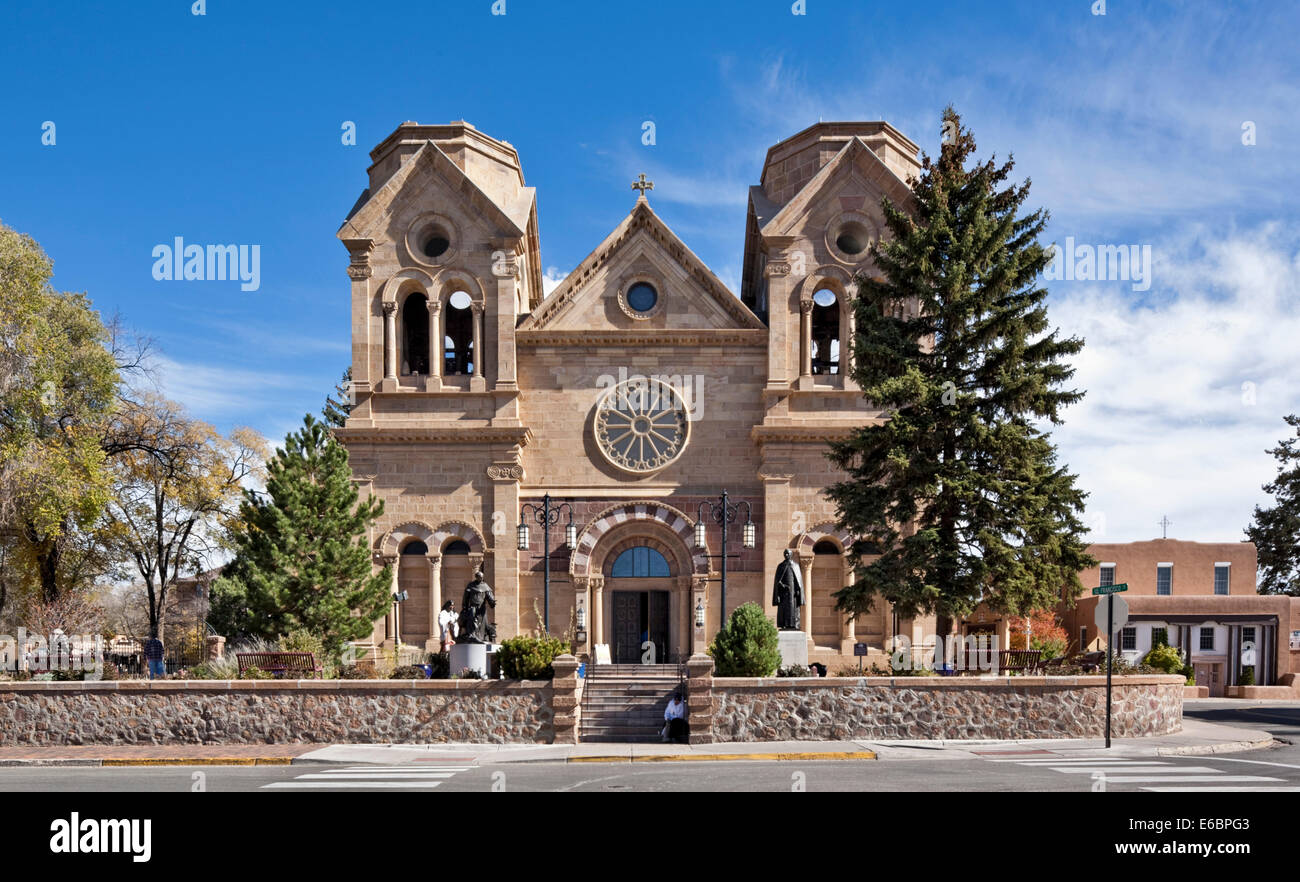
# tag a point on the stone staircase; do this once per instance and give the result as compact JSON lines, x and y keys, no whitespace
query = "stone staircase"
{"x":625,"y":703}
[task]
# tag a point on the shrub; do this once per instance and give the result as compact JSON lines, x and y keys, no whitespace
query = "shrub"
{"x":1165,"y":658}
{"x":226,"y":668}
{"x":256,"y":673}
{"x":794,"y":671}
{"x":407,"y":672}
{"x":747,"y":644}
{"x":441,"y":664}
{"x":1247,"y":676}
{"x":468,"y":674}
{"x":360,"y":671}
{"x":529,"y":658}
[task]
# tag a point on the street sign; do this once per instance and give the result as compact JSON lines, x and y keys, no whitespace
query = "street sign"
{"x":1120,"y":616}
{"x":1111,"y":589}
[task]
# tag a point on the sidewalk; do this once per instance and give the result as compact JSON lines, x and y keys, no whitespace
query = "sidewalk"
{"x":1196,"y":739}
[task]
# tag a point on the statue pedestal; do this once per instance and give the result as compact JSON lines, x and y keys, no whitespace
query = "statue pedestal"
{"x":793,"y":646}
{"x":469,"y":655}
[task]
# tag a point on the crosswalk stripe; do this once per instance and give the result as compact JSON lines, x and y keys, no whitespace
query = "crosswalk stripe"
{"x":372,"y":776}
{"x":1171,"y":770}
{"x":1222,"y":789}
{"x":375,"y":785}
{"x":1101,"y":760}
{"x":1165,"y":779}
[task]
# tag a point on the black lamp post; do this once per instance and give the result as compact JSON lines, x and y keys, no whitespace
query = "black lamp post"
{"x":546,"y":515}
{"x":725,"y":513}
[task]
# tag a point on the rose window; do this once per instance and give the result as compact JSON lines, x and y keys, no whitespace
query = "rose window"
{"x":642,"y":425}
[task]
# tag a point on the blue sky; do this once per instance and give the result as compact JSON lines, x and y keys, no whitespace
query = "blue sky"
{"x":226,"y":128}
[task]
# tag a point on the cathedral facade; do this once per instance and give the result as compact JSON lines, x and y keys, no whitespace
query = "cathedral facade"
{"x":576,"y":445}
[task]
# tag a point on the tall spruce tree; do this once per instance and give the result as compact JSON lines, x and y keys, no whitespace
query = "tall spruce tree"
{"x":338,"y":404}
{"x":1276,"y":531}
{"x":959,"y":490}
{"x":302,"y":560}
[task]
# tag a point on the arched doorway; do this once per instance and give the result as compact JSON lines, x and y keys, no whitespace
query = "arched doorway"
{"x":640,"y":587}
{"x":827,"y":578}
{"x":457,"y":571}
{"x":413,"y":578}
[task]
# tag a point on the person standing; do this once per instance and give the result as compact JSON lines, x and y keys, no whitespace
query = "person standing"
{"x":153,"y":655}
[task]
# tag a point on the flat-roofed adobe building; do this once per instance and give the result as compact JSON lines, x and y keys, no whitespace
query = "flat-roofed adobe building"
{"x":1200,"y":597}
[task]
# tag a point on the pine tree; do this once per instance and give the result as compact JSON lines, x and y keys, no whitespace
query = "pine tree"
{"x":302,"y":560}
{"x":338,"y":404}
{"x":959,"y":490}
{"x":1276,"y":531}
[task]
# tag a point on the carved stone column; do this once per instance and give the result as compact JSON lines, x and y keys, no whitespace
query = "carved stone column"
{"x":807,"y":567}
{"x":477,"y":381}
{"x":435,"y":344}
{"x":390,"y":341}
{"x":435,"y":599}
{"x":597,"y":585}
{"x":699,"y":635}
{"x":848,"y":624}
{"x":390,"y":621}
{"x":805,"y":338}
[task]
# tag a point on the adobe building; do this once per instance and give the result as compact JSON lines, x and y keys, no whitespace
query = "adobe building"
{"x":1200,"y":597}
{"x":637,"y":390}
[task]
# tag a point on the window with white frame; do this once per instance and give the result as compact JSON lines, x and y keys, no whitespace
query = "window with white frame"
{"x":1295,"y":639}
{"x":1107,"y":574}
{"x":1247,"y":634}
{"x":1207,"y":640}
{"x":1129,"y":638}
{"x":1165,"y":578}
{"x":1221,"y":571}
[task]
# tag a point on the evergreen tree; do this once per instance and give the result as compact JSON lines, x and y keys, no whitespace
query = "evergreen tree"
{"x":338,"y":404}
{"x":1276,"y":531}
{"x":302,"y":560}
{"x":959,"y":490}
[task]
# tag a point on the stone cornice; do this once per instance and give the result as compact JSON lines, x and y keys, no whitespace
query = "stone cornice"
{"x":459,"y":434}
{"x":646,"y":337}
{"x":803,"y":432}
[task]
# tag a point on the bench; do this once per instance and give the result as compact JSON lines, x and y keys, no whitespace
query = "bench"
{"x":292,"y":665}
{"x":1021,"y":660}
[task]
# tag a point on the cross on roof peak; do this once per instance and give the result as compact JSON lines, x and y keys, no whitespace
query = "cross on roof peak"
{"x":642,"y":184}
{"x":1164,"y":527}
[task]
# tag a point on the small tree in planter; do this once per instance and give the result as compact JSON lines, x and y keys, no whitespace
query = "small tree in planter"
{"x":529,"y":658}
{"x":747,"y":644}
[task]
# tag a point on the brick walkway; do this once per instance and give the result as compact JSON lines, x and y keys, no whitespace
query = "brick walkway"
{"x":161,"y":753}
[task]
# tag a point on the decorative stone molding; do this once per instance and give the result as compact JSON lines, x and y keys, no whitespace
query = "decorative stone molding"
{"x":390,"y":309}
{"x":777,"y":268}
{"x":501,"y":472}
{"x":580,"y":561}
{"x":463,"y":434}
{"x":806,"y":306}
{"x":359,"y":250}
{"x":644,"y":337}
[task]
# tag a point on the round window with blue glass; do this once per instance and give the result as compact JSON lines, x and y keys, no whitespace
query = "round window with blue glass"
{"x":642,"y":297}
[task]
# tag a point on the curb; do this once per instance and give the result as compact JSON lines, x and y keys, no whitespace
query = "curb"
{"x":1220,"y":747}
{"x":170,"y":761}
{"x":724,"y":757}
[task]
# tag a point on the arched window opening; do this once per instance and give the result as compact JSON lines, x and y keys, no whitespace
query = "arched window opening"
{"x":826,"y":546}
{"x":826,"y":332}
{"x":456,"y":546}
{"x":415,"y":546}
{"x":415,"y":335}
{"x":640,"y":563}
{"x":459,"y":341}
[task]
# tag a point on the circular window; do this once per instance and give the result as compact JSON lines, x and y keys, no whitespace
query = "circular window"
{"x":436,"y":245}
{"x":642,"y":425}
{"x":642,"y":297}
{"x":852,"y":239}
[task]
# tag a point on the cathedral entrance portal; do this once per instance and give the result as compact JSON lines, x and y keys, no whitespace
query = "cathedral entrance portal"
{"x":641,"y":625}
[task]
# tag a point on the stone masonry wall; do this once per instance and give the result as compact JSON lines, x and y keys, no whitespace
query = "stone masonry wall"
{"x":274,"y":712}
{"x":883,"y":708}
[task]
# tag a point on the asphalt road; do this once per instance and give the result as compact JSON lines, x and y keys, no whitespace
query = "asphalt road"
{"x":1274,"y":769}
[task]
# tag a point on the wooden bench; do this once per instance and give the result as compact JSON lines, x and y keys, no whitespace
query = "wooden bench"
{"x":292,"y":665}
{"x":1026,"y":660}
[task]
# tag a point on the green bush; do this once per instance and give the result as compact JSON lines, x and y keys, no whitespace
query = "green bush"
{"x":216,"y":669}
{"x":256,"y":673}
{"x":1247,"y":676}
{"x":794,"y":671}
{"x":1165,"y":658}
{"x":441,"y":664}
{"x":747,"y":644}
{"x":407,"y":672}
{"x":529,"y":658}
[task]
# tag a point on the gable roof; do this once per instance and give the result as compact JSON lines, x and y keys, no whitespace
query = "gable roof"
{"x":854,"y":155}
{"x":368,"y":214}
{"x":641,"y":218}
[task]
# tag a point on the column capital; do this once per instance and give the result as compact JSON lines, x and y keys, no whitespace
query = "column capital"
{"x":805,"y":306}
{"x":434,"y":558}
{"x":390,"y":309}
{"x":434,"y":305}
{"x":476,"y":307}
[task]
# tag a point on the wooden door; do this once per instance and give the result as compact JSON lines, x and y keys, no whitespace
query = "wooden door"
{"x":627,"y":627}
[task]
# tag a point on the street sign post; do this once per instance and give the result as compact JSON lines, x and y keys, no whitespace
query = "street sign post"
{"x":1115,"y":607}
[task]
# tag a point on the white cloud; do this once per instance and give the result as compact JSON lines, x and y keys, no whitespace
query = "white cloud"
{"x":1167,"y":427}
{"x":551,"y":280}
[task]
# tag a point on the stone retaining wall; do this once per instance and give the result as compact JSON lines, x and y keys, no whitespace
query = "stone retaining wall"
{"x":884,"y":708}
{"x":279,"y":711}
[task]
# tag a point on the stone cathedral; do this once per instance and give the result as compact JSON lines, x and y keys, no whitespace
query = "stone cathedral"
{"x":576,"y":445}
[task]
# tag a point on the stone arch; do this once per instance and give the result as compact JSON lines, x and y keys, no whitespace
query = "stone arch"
{"x":404,"y":282}
{"x":668,"y":521}
{"x":650,"y":534}
{"x":450,"y":280}
{"x":804,"y":542}
{"x":450,"y":531}
{"x":392,"y":541}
